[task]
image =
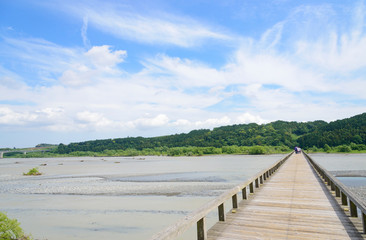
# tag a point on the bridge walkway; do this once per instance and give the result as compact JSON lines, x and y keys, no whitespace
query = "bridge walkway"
{"x":292,"y":204}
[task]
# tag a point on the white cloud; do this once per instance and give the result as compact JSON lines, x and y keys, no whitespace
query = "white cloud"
{"x":148,"y":122}
{"x":249,"y":118}
{"x":98,"y":61}
{"x":102,"y":57}
{"x":310,"y":78}
{"x":184,"y":72}
{"x":40,"y":117}
{"x":150,"y":27}
{"x":213,"y":122}
{"x":84,"y":30}
{"x":93,"y":119}
{"x":10,"y":117}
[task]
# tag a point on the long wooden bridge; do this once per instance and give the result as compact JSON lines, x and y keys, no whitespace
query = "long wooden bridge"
{"x":301,"y":201}
{"x":24,"y":151}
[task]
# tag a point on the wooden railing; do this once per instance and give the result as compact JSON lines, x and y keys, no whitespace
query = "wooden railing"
{"x":341,"y":191}
{"x":198,"y":217}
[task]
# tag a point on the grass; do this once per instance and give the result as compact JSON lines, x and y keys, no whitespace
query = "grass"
{"x":32,"y":172}
{"x":10,"y":229}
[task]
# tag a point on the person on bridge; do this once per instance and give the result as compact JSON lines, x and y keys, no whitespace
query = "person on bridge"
{"x":297,"y":150}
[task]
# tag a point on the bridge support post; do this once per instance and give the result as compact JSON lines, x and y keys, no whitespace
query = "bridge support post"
{"x":328,"y":181}
{"x":332,"y":186}
{"x":251,"y":189}
{"x":234,"y":199}
{"x":256,"y":183}
{"x":201,"y":229}
{"x":353,"y":209}
{"x":244,"y":192}
{"x":221,"y":213}
{"x":364,"y":222}
{"x":344,"y":198}
{"x":338,"y":192}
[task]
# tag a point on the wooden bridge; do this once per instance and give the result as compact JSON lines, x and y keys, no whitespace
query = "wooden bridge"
{"x":301,"y":201}
{"x":23,"y":151}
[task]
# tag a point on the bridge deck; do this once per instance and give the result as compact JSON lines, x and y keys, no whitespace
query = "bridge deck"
{"x":292,"y":204}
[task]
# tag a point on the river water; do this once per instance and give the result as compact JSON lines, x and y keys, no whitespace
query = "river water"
{"x":126,"y":198}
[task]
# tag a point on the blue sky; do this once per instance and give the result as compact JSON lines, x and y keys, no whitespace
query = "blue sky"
{"x":81,"y":70}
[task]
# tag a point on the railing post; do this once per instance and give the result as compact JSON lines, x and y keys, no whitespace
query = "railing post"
{"x":251,"y":189}
{"x":332,"y":186}
{"x":244,"y":192}
{"x":221,"y":212}
{"x":234,"y":199}
{"x":328,"y":181}
{"x":338,"y":192}
{"x":201,"y":229}
{"x":352,"y":208}
{"x":344,"y":199}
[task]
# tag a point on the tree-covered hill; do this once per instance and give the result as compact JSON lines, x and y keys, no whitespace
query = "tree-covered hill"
{"x":278,"y":133}
{"x":340,"y":132}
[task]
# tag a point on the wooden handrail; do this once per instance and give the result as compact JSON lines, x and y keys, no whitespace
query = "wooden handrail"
{"x":200,"y":214}
{"x":346,"y":195}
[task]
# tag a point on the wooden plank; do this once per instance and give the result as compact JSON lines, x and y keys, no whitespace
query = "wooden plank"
{"x":292,"y":204}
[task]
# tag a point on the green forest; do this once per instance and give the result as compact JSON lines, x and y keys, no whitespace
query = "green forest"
{"x":346,"y":135}
{"x":280,"y":136}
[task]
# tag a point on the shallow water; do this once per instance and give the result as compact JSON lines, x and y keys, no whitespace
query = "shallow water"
{"x":353,"y":181}
{"x":116,"y":198}
{"x":126,"y":198}
{"x":344,"y":162}
{"x":341,"y":162}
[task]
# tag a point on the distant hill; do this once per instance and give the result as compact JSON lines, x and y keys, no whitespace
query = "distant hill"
{"x":278,"y":133}
{"x":341,"y":132}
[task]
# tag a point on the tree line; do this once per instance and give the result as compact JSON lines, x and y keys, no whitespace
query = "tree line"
{"x":280,"y":134}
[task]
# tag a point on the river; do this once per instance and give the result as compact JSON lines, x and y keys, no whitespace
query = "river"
{"x":125,"y":198}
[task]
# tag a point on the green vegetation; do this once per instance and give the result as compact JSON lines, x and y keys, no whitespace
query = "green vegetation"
{"x":345,"y":136}
{"x":10,"y":229}
{"x":279,"y":135}
{"x":342,"y":132}
{"x":33,"y":172}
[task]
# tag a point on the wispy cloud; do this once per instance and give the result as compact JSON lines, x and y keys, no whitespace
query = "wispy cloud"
{"x":84,"y":35}
{"x":290,"y":72}
{"x":149,"y":28}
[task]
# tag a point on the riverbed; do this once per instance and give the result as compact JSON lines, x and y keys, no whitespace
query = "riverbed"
{"x":126,"y":198}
